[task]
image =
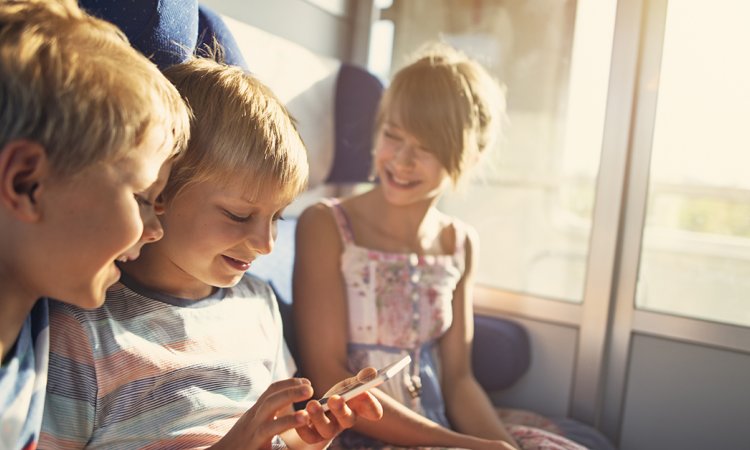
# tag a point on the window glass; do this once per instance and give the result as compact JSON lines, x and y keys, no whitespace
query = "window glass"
{"x":695,"y":259}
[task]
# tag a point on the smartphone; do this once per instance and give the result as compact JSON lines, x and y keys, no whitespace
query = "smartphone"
{"x":352,"y":390}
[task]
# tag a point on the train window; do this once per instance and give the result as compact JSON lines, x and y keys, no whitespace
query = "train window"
{"x":695,"y":259}
{"x":532,"y":202}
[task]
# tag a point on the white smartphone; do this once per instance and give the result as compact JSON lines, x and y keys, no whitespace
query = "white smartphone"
{"x":352,"y":390}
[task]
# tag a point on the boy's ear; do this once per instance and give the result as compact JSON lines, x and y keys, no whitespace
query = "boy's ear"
{"x":23,"y":168}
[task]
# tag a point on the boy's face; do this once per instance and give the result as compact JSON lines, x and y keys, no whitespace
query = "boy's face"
{"x":214,"y":230}
{"x":96,"y":218}
{"x":147,"y":206}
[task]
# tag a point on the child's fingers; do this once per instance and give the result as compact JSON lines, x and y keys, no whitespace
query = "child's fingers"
{"x":366,"y":406}
{"x":267,"y":429}
{"x":271,"y":413}
{"x":282,"y":385}
{"x":344,"y":416}
{"x":362,"y":376}
{"x":308,"y":434}
{"x":341,"y":386}
{"x":366,"y":374}
{"x":253,"y":430}
{"x":327,"y":427}
{"x":283,"y":423}
{"x":283,"y":394}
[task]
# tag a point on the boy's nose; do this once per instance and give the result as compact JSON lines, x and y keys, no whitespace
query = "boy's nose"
{"x":261,"y":238}
{"x":152,"y":229}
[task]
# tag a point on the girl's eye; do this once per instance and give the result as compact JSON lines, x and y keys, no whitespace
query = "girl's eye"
{"x":423,"y":153}
{"x":142,"y":201}
{"x":391,"y":136}
{"x":237,"y":218}
{"x":278,"y":217}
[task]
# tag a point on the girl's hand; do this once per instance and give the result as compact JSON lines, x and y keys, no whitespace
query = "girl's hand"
{"x":270,"y":416}
{"x":342,"y":415}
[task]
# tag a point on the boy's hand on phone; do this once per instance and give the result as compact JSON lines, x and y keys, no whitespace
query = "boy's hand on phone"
{"x":269,"y":416}
{"x":364,"y":405}
{"x":341,"y":414}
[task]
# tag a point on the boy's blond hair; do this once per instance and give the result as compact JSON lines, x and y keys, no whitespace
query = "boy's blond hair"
{"x":447,"y":101}
{"x":73,"y":84}
{"x":240,"y":128}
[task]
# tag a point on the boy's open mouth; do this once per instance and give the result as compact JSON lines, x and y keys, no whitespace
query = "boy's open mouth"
{"x":236,"y":263}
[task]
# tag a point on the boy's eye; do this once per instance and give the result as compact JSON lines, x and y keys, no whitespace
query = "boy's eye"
{"x":237,"y":218}
{"x":142,"y":201}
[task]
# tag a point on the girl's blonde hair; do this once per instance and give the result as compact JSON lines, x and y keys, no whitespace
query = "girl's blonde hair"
{"x":449,"y":103}
{"x":73,"y":83}
{"x":240,"y":128}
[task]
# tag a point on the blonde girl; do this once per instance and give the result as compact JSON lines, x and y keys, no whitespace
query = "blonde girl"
{"x":389,"y":274}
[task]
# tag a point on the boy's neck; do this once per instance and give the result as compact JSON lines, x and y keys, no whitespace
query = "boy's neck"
{"x":13,"y":313}
{"x":154,"y":271}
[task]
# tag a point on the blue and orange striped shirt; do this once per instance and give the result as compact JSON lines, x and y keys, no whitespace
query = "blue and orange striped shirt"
{"x":147,"y":370}
{"x":22,"y":383}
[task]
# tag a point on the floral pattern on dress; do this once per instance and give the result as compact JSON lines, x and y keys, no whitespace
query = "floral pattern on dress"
{"x":397,"y":303}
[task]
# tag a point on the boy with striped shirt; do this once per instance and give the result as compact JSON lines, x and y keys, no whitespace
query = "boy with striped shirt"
{"x":83,"y":147}
{"x":188,"y":350}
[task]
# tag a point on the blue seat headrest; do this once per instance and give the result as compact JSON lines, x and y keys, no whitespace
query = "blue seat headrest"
{"x":166,"y":31}
{"x":358,"y":93}
{"x":211,"y":26}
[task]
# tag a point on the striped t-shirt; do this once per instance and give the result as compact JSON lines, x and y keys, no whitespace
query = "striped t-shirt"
{"x":22,"y":379}
{"x":147,"y":370}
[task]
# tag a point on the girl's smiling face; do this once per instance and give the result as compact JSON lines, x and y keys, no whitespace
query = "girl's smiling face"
{"x":213,"y":230}
{"x":408,"y":171}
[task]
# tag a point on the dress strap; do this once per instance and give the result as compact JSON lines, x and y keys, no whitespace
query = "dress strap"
{"x":459,"y":254}
{"x":459,"y":231}
{"x":342,"y":220}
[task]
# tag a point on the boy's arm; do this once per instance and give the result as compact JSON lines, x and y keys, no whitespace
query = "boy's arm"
{"x":70,"y":406}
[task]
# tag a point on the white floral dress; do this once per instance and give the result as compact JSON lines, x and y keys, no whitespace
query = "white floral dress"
{"x":399,"y":304}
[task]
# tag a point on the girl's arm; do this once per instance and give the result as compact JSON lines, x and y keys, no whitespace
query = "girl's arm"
{"x":468,"y":407}
{"x":319,"y":306}
{"x":320,"y":317}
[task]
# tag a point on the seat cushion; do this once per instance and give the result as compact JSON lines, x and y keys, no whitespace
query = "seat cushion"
{"x":501,"y":352}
